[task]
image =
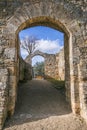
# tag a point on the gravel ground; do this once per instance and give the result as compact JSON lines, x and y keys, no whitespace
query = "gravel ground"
{"x":42,"y":107}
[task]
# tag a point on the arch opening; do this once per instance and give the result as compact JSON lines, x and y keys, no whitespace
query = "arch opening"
{"x":51,"y":68}
{"x":49,"y":44}
{"x":51,"y":74}
{"x":48,"y":22}
{"x":38,"y":63}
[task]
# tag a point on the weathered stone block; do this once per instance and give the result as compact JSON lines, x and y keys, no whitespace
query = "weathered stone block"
{"x":9,"y":53}
{"x":3,"y":95}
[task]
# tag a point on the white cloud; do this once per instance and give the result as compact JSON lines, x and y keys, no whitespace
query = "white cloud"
{"x":49,"y":46}
{"x":46,"y":46}
{"x":24,"y":53}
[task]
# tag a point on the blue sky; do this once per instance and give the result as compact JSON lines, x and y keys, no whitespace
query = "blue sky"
{"x":50,"y":40}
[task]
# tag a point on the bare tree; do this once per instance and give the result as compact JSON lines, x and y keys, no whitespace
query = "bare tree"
{"x":29,"y":44}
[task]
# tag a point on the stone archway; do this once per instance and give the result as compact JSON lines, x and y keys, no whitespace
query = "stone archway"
{"x":34,"y":54}
{"x":62,"y":17}
{"x":50,"y":67}
{"x":48,"y":21}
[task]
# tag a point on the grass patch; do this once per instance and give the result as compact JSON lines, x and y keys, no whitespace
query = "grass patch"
{"x":58,"y":84}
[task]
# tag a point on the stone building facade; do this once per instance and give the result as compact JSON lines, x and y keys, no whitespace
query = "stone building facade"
{"x":68,"y":16}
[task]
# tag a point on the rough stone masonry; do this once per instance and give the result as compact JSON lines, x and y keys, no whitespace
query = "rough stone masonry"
{"x":68,"y":16}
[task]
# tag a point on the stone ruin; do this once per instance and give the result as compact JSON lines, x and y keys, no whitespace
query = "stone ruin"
{"x":68,"y":16}
{"x":54,"y":64}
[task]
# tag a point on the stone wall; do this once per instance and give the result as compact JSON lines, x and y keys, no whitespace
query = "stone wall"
{"x":4,"y":94}
{"x":55,"y":66}
{"x":25,"y":72}
{"x":50,"y":61}
{"x":68,"y":16}
{"x":60,"y":65}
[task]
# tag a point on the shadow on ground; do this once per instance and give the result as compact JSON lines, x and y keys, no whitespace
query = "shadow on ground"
{"x":38,"y":99}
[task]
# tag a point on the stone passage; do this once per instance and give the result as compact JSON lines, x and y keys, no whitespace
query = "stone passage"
{"x":68,"y":16}
{"x":41,"y":106}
